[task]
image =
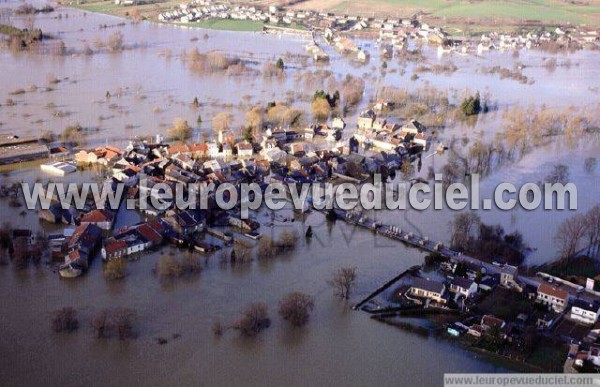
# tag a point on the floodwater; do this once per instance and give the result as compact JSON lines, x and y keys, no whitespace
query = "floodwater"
{"x":338,"y":346}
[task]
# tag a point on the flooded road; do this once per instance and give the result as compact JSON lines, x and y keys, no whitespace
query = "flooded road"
{"x":149,"y":87}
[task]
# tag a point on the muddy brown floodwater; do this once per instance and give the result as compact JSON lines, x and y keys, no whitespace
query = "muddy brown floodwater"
{"x":338,"y":346}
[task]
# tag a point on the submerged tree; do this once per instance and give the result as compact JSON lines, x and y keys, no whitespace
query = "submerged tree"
{"x":115,"y":269}
{"x":559,"y":174}
{"x":342,"y":281}
{"x":65,"y":320}
{"x":296,"y":308}
{"x":180,"y":130}
{"x":254,"y":319}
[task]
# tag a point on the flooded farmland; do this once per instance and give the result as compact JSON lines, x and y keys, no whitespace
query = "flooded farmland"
{"x":150,"y":85}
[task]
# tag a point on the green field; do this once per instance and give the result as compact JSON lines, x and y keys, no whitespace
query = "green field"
{"x":100,"y":7}
{"x":227,"y":24}
{"x":558,"y":11}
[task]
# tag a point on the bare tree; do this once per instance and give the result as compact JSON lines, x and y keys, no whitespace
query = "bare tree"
{"x":407,"y":168}
{"x":254,"y":118}
{"x":115,"y":41}
{"x":287,"y":239}
{"x":115,"y":269}
{"x":180,"y":130}
{"x":222,"y":121}
{"x":217,"y":327}
{"x":190,"y":263}
{"x":296,"y":308}
{"x":254,"y":319}
{"x":65,"y":320}
{"x":593,"y":230}
{"x":320,"y":109}
{"x":118,"y":321}
{"x":266,"y":248}
{"x":464,"y":227}
{"x":589,"y":165}
{"x":342,"y":281}
{"x":101,"y":324}
{"x":168,"y":267}
{"x":123,"y":320}
{"x":559,"y":174}
{"x":569,"y":235}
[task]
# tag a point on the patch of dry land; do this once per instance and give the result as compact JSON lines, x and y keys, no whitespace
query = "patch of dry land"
{"x":496,"y":12}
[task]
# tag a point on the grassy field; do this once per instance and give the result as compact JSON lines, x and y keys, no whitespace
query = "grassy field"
{"x":100,"y":6}
{"x":227,"y":24}
{"x":546,"y":11}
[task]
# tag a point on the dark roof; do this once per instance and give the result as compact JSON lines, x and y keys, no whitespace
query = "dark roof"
{"x":461,"y":282}
{"x":430,"y":286}
{"x":585,"y":305}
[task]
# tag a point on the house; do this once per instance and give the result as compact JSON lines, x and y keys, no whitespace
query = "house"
{"x":422,"y":139}
{"x":489,"y":282}
{"x":199,"y":150}
{"x":429,"y":289}
{"x":585,"y":312}
{"x":414,"y":127}
{"x":137,"y":238}
{"x":553,"y":297}
{"x":379,"y":124}
{"x":488,"y":321}
{"x":102,"y":218}
{"x":476,"y":330}
{"x":174,"y":149}
{"x":83,"y":243}
{"x":508,"y":274}
{"x":545,"y":321}
{"x":463,"y":286}
{"x":244,"y":150}
{"x":114,"y":249}
{"x":366,"y":119}
{"x":184,"y":222}
{"x":338,"y":123}
{"x":59,"y":168}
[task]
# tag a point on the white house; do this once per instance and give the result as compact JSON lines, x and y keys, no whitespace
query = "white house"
{"x":244,"y":150}
{"x":432,"y":290}
{"x":553,"y":297}
{"x":463,"y":286}
{"x":585,"y":312}
{"x":338,"y":123}
{"x":508,"y":274}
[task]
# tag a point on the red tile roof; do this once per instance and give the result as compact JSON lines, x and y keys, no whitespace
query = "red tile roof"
{"x":491,"y":321}
{"x":149,"y":233}
{"x":552,"y":291}
{"x":178,"y":149}
{"x":199,"y":148}
{"x":114,"y":246}
{"x":97,"y":216}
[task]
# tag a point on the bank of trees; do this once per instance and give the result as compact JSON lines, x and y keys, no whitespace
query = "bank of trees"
{"x":106,"y":323}
{"x":170,"y":267}
{"x":115,"y":322}
{"x":470,"y":235}
{"x":579,"y":233}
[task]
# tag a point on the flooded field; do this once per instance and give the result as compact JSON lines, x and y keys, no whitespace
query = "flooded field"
{"x":150,"y":85}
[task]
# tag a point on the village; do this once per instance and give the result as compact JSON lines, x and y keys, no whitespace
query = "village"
{"x":391,"y":34}
{"x":319,"y":153}
{"x":470,"y":295}
{"x":539,"y":322}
